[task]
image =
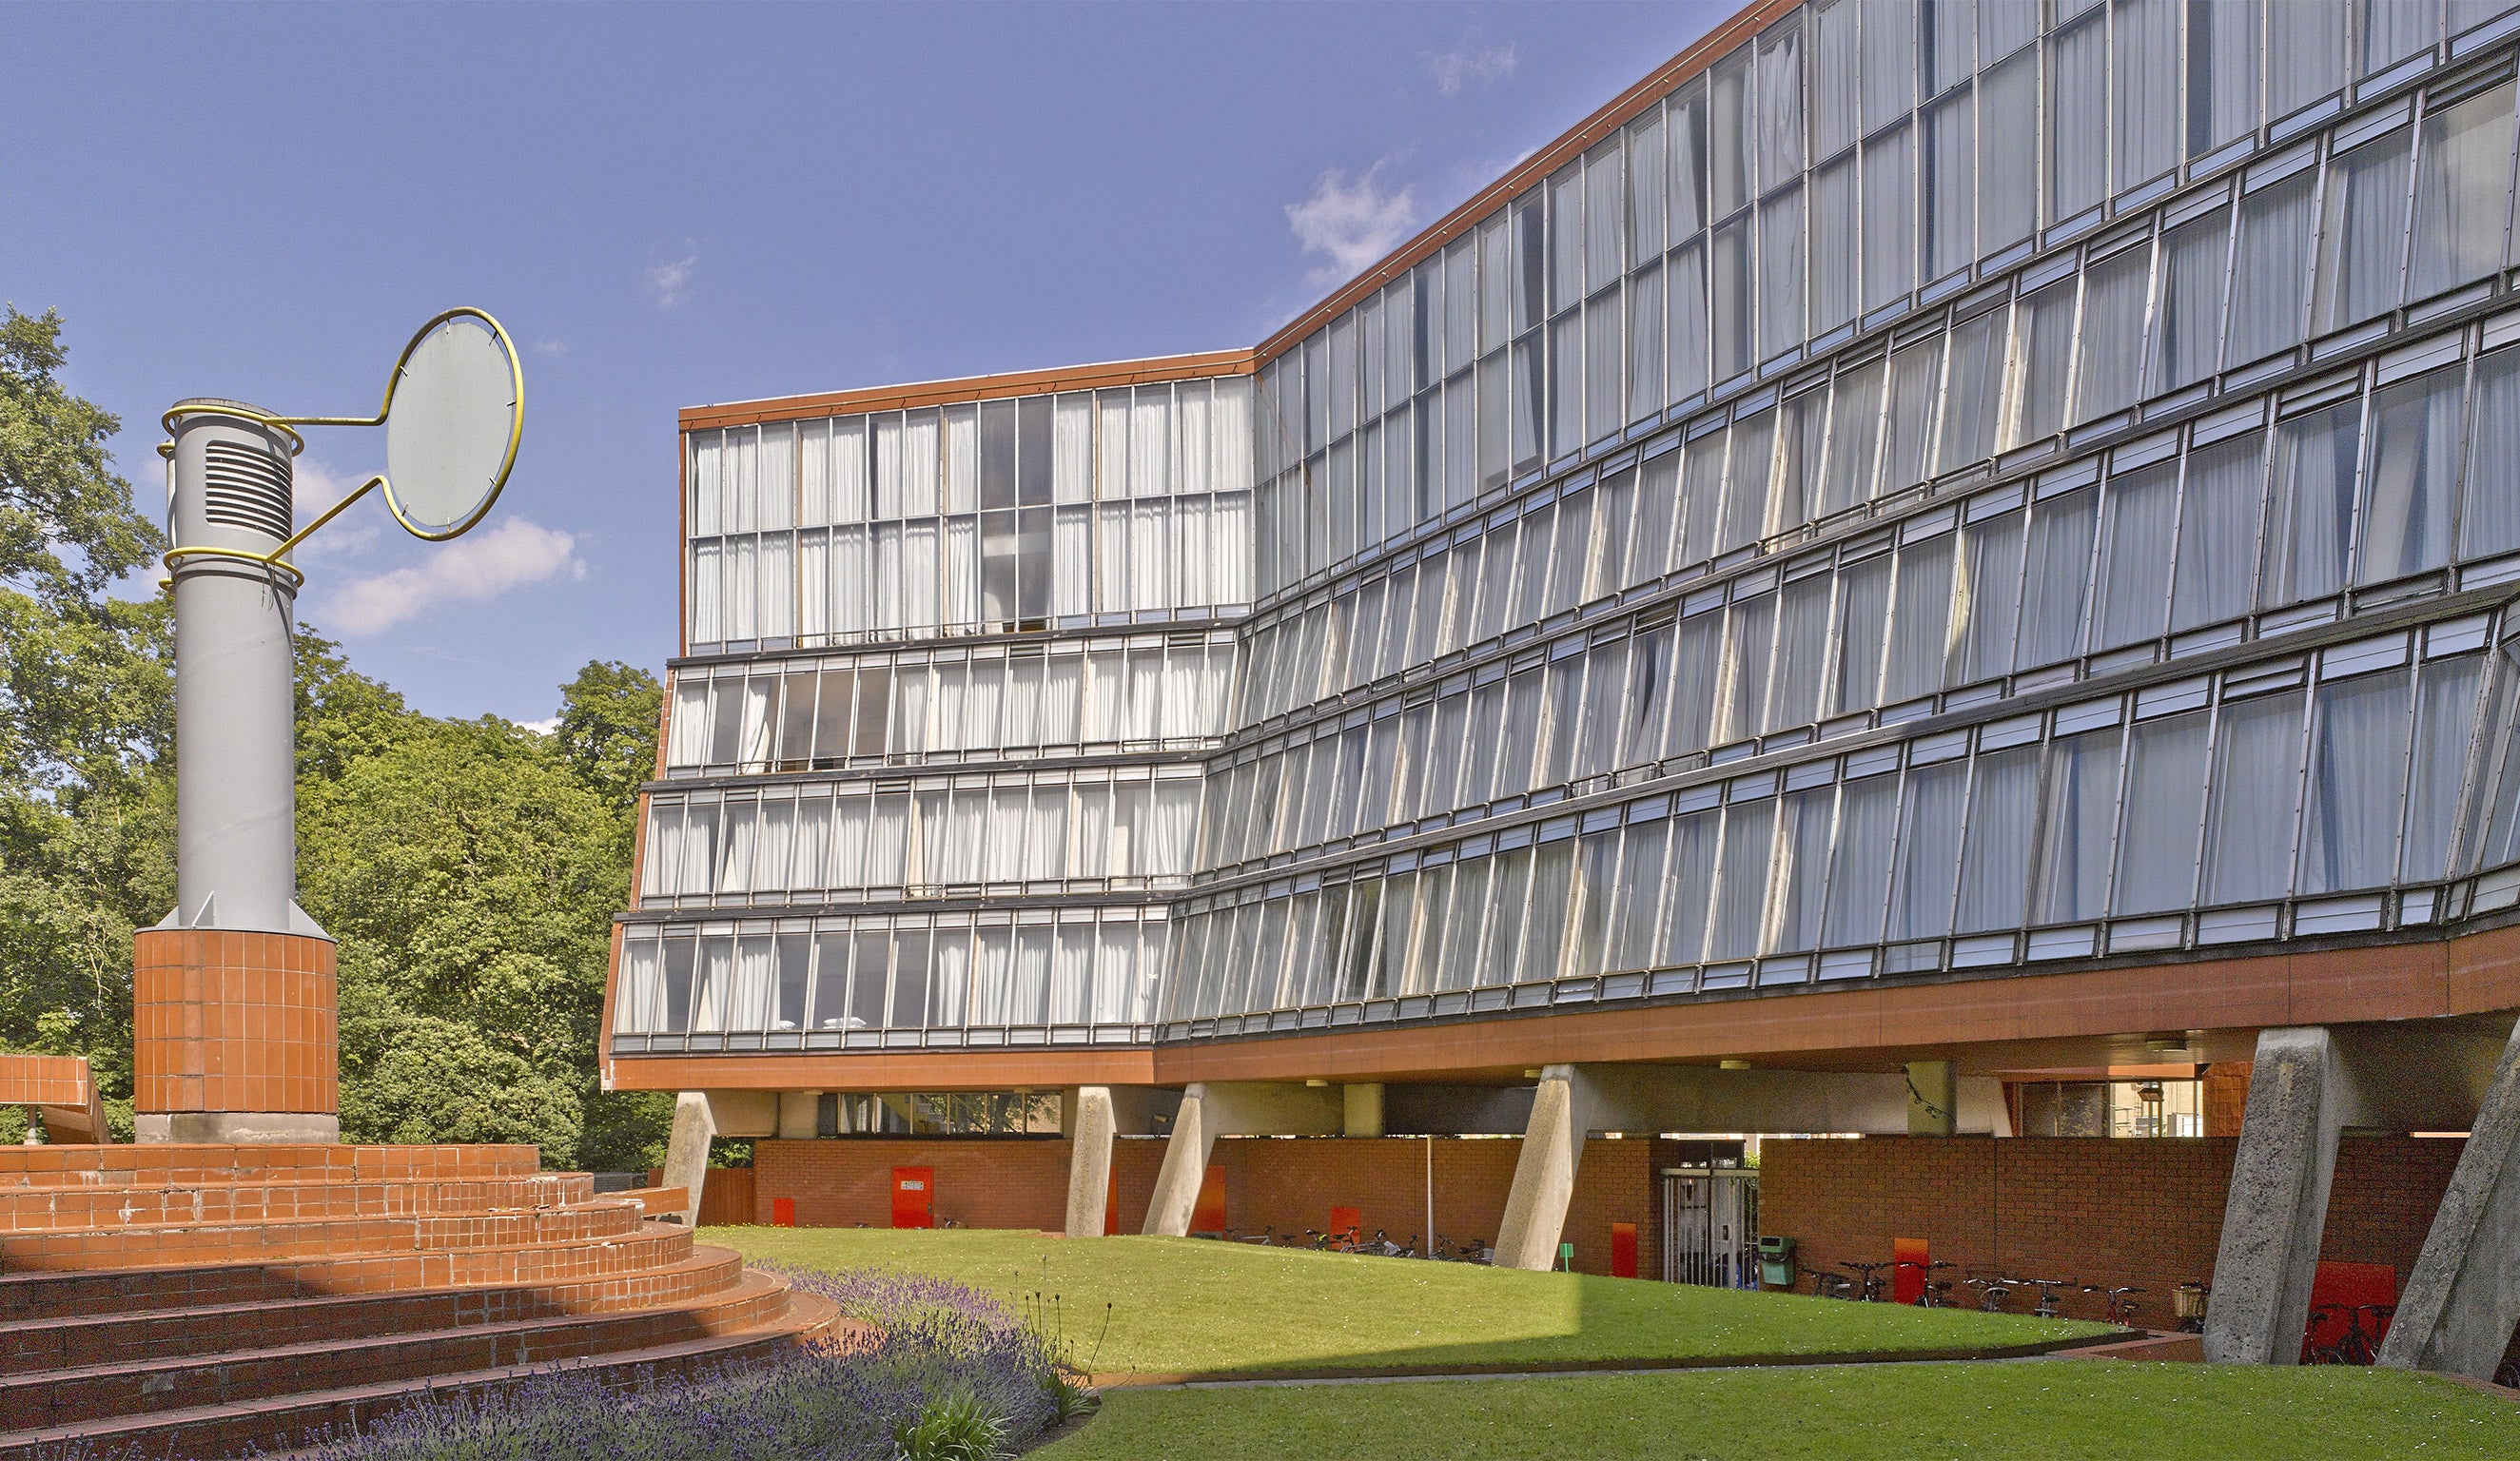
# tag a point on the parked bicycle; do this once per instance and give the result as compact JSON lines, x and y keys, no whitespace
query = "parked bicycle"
{"x":1932,"y":1291}
{"x":1876,"y":1288}
{"x":2049,"y":1306}
{"x":2355,"y":1344}
{"x":1991,"y":1292}
{"x":2121,"y":1304}
{"x":1827,"y":1285}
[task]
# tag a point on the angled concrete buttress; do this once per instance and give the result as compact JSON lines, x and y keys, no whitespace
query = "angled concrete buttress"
{"x":1089,"y":1161}
{"x":2463,"y":1300}
{"x":1210,"y":1109}
{"x":687,"y":1150}
{"x":1544,"y":1175}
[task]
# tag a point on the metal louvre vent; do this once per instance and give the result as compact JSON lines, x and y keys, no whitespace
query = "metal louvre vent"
{"x":246,"y":489}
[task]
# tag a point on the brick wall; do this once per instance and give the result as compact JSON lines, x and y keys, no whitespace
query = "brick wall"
{"x":2091,"y":1210}
{"x":1289,"y":1183}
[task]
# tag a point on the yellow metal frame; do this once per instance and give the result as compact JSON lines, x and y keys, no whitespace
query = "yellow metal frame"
{"x":285,"y":424}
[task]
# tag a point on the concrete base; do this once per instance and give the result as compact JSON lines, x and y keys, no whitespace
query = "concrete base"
{"x":2463,"y":1300}
{"x":1544,"y":1175}
{"x":238,"y":1128}
{"x":1089,"y":1163}
{"x":687,"y":1150}
{"x":1186,"y":1154}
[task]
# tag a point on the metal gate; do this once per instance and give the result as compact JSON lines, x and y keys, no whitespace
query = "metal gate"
{"x":1710,"y":1226}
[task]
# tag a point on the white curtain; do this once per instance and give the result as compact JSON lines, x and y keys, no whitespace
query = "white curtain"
{"x":1802,"y":871}
{"x":1129,"y":829}
{"x":852,"y":836}
{"x":688,"y":743}
{"x":2444,"y":721}
{"x":888,"y":464}
{"x":778,"y":587}
{"x":1742,"y":889}
{"x":2412,"y":487}
{"x":2218,"y":532}
{"x":949,"y":721}
{"x":2059,"y":570}
{"x":814,"y":584}
{"x":774,"y":859}
{"x":1046,"y":840}
{"x":1996,"y":865}
{"x":1149,"y":552}
{"x":737,"y":483}
{"x":2143,"y":509}
{"x":1028,"y":1001}
{"x":909,"y":730}
{"x":1175,"y":825}
{"x":1106,"y":671}
{"x":2195,"y":266}
{"x":1062,"y":689}
{"x":708,"y":1001}
{"x":2462,"y":193}
{"x":851,"y":578}
{"x":775,"y":480}
{"x":2147,"y":81}
{"x":889,"y":587}
{"x":639,"y":1011}
{"x":888,"y":841}
{"x":2080,"y":823}
{"x":918,"y":573}
{"x":1919,"y":619}
{"x":2008,"y":138}
{"x":1231,"y":541}
{"x":1930,"y":822}
{"x":2362,"y":243}
{"x":1092,"y":856}
{"x":749,"y":1008}
{"x":1193,"y":579}
{"x":665,"y":841}
{"x":2357,"y":752}
{"x":1071,"y":578}
{"x":2306,"y":53}
{"x":708,"y":592}
{"x":919,"y":464}
{"x":1019,"y":719}
{"x":1111,"y":560}
{"x":993,"y":975}
{"x":2257,"y":780}
{"x":2112,"y":357}
{"x":2164,"y":808}
{"x":961,"y":570}
{"x":2273,"y":268}
{"x":1859,"y":880}
{"x":814,"y":474}
{"x":2314,"y":504}
{"x":813,"y":856}
{"x":1001,"y":856}
{"x":1071,"y":463}
{"x":962,"y":458}
{"x":1111,"y":444}
{"x":850,"y":489}
{"x":736,"y":854}
{"x":986,"y":705}
{"x":952,"y":977}
{"x":2491,"y":521}
{"x":708,"y":474}
{"x":695,"y":870}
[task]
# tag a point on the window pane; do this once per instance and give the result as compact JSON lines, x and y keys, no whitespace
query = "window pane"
{"x":2256,"y":785}
{"x":2414,"y":477}
{"x":2313,"y":508}
{"x":1994,"y":869}
{"x":2146,"y":78}
{"x":2165,"y":808}
{"x":2270,"y":276}
{"x":2077,"y":118}
{"x":2358,"y":759}
{"x":1929,"y":846}
{"x":2081,"y":816}
{"x":2493,"y":511}
{"x":2461,"y":192}
{"x":2134,"y":576}
{"x":2363,"y":234}
{"x":1889,"y":219}
{"x":2195,"y":261}
{"x":2218,"y":533}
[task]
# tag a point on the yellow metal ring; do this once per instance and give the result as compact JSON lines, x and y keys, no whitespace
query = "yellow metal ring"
{"x":244,"y":413}
{"x":297,"y":579}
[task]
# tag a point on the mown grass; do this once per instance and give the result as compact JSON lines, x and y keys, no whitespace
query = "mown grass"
{"x":1180,"y":1306}
{"x":2046,"y":1410}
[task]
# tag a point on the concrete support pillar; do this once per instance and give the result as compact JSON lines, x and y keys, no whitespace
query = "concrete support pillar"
{"x":1933,"y":1098}
{"x":2463,"y":1300}
{"x":2278,"y":1208}
{"x":1363,"y":1109}
{"x":1544,"y":1175}
{"x":799,"y":1113}
{"x":1186,"y":1154}
{"x":1089,"y":1161}
{"x":687,"y":1150}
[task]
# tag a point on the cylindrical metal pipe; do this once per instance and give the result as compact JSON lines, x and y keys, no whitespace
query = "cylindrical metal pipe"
{"x":236,"y":792}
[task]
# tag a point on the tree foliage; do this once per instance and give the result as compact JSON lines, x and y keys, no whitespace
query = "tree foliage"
{"x":468,"y":869}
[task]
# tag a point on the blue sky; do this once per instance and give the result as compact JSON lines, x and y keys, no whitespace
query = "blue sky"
{"x":677,"y":206}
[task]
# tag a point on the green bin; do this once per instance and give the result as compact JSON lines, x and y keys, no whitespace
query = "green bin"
{"x":1776,"y":1262}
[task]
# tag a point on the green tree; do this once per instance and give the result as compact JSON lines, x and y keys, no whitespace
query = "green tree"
{"x":608,"y":730}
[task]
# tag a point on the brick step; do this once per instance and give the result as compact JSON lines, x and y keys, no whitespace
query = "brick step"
{"x":269,"y":1200}
{"x":70,"y":1294}
{"x":51,"y":1398}
{"x":205,"y":1431}
{"x":163,"y":1163}
{"x":88,"y":1339}
{"x":155,"y":1245}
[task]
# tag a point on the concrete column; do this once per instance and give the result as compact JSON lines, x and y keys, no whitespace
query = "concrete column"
{"x":2277,"y":1207}
{"x":798,"y":1113}
{"x":1363,"y":1109}
{"x":687,"y":1150}
{"x":2463,"y":1300}
{"x":1544,"y":1175}
{"x":1185,"y":1155}
{"x":1933,"y":1098}
{"x":1089,"y":1161}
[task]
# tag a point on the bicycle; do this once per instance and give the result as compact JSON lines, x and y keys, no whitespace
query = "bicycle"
{"x":2356,"y":1344}
{"x":2121,"y":1304}
{"x":2048,"y":1306}
{"x":1992,"y":1293}
{"x":1827,"y":1285}
{"x":1932,"y":1293}
{"x":1876,"y":1288}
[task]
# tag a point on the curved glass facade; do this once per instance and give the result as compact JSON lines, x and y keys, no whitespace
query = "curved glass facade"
{"x":1944,"y":487}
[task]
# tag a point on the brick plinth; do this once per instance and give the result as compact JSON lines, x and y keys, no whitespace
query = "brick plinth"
{"x":233,"y":1022}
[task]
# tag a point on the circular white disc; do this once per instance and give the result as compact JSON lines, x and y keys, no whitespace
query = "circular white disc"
{"x":450,"y":426}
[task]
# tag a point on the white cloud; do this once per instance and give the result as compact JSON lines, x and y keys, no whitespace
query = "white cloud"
{"x":551,"y":347}
{"x":540,"y":727}
{"x":1354,"y":221}
{"x":475,"y":568}
{"x":316,"y":489}
{"x":1476,"y":61}
{"x":669,"y":281}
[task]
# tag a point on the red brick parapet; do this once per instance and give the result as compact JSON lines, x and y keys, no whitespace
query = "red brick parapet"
{"x":226,"y":1021}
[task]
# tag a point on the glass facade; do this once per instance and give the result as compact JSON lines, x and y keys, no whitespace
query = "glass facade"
{"x":1942,"y":487}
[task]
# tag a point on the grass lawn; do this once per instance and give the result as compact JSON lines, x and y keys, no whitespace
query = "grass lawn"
{"x":1183,"y":1306}
{"x":2041,"y":1411}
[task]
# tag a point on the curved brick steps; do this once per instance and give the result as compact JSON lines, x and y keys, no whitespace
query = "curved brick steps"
{"x":207,"y":1430}
{"x":247,"y":1241}
{"x":177,"y":1162}
{"x":81,"y":1336}
{"x":50,"y":1398}
{"x":276,"y":1199}
{"x":195,"y":1301}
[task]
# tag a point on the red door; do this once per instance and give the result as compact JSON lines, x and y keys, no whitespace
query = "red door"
{"x":1208,"y":1217}
{"x":913,"y":1197}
